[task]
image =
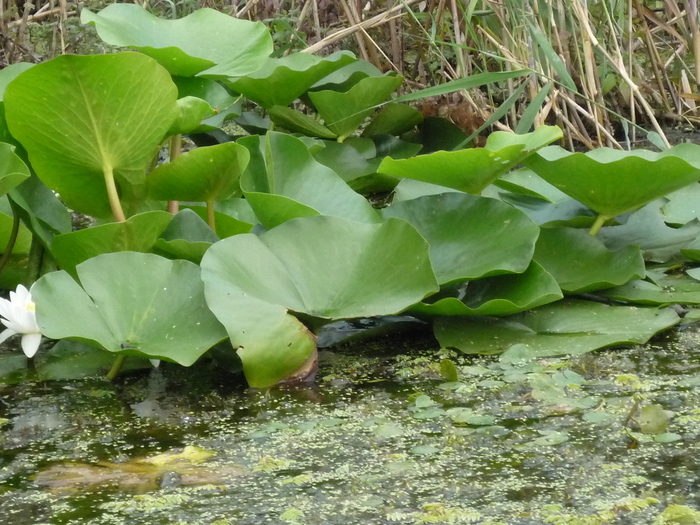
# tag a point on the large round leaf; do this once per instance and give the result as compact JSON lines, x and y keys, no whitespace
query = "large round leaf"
{"x":13,"y":171}
{"x":472,"y":170}
{"x":138,"y":234}
{"x":470,"y":236}
{"x":131,"y":303}
{"x":319,"y":267}
{"x":203,"y":174}
{"x":501,"y":295}
{"x":613,"y":182}
{"x":284,"y":181}
{"x":205,"y":42}
{"x":646,"y":228}
{"x":280,"y":81}
{"x":344,"y":112}
{"x":187,"y":236}
{"x":80,"y":117}
{"x":581,"y":263}
{"x":565,"y":327}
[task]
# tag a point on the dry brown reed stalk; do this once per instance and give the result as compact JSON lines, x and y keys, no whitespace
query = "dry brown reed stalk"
{"x":377,"y":20}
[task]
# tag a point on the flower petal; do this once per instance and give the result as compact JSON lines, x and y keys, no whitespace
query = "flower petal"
{"x":6,"y":334}
{"x":30,"y":344}
{"x":155,"y":362}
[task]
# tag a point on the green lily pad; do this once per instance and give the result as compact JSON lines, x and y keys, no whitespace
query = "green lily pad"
{"x":346,"y":159}
{"x":613,"y":182}
{"x":581,"y":263}
{"x":565,"y":327}
{"x":280,"y":81}
{"x":565,"y":213}
{"x":24,"y":237}
{"x":653,"y":419}
{"x":78,"y":138}
{"x":347,"y":76}
{"x":470,"y":237}
{"x":138,"y":234}
{"x":203,"y":174}
{"x":74,"y":360}
{"x":40,"y":209}
{"x":676,"y":289}
{"x":13,"y":171}
{"x":225,"y":105}
{"x":408,"y":189}
{"x":394,"y":119}
{"x":205,"y":42}
{"x":192,"y":111}
{"x":502,"y":295}
{"x":378,"y":269}
{"x":130,"y":303}
{"x":527,"y":182}
{"x":682,"y":206}
{"x":227,"y":224}
{"x":187,"y":236}
{"x":646,"y":228}
{"x":284,"y":181}
{"x":344,"y":112}
{"x":297,"y":122}
{"x":472,"y":170}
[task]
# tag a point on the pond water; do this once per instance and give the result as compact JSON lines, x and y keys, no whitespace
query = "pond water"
{"x":380,"y":437}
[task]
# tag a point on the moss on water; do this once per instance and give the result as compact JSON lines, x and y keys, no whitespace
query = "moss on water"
{"x":381,"y":438}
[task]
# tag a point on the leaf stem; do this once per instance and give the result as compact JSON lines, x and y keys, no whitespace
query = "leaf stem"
{"x":115,"y":367}
{"x":599,"y":221}
{"x":13,"y":235}
{"x":113,"y":195}
{"x":211,"y":216}
{"x":174,"y":148}
{"x":36,"y":256}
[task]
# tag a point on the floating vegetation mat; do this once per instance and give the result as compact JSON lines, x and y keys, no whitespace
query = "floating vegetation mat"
{"x":419,"y":436}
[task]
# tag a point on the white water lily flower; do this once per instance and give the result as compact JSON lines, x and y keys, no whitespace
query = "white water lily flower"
{"x":19,"y":316}
{"x":155,"y":362}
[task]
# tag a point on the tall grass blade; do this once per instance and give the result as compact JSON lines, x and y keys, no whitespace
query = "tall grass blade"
{"x":530,"y":114}
{"x":463,"y":83}
{"x":552,"y":57}
{"x":497,"y":115}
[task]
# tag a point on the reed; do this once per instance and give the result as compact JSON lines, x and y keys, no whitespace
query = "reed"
{"x":605,"y":71}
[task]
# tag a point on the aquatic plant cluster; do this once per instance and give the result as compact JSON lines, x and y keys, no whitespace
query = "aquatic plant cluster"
{"x":269,"y":236}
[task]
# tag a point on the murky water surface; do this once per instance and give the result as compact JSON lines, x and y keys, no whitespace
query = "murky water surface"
{"x":376,"y":440}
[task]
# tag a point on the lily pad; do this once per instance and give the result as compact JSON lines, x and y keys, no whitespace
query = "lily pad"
{"x":284,"y":181}
{"x":646,"y":228}
{"x":377,"y":269}
{"x":187,"y":237}
{"x":472,"y":170}
{"x":130,"y":303}
{"x":40,"y":209}
{"x":203,"y":174}
{"x":394,"y":119}
{"x":192,"y":111}
{"x":225,"y":105}
{"x":13,"y":171}
{"x":280,"y":81}
{"x":138,"y":234}
{"x":470,"y":237}
{"x":297,"y":122}
{"x":581,"y":263}
{"x":613,"y":182}
{"x":344,"y":112}
{"x":527,"y":182}
{"x":205,"y":42}
{"x":676,"y":289}
{"x":567,"y":327}
{"x":78,"y":138}
{"x":74,"y":360}
{"x":502,"y":295}
{"x":683,"y":205}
